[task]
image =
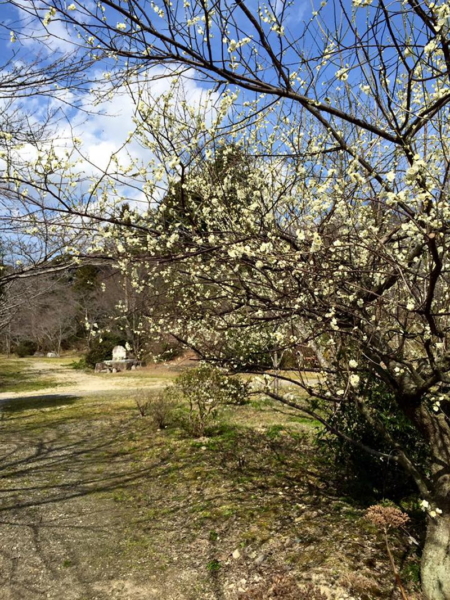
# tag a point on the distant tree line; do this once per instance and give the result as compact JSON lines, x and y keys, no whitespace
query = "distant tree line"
{"x":89,"y":309}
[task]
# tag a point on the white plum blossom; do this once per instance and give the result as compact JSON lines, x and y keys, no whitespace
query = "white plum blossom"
{"x":390,"y":176}
{"x":354,"y":380}
{"x":305,"y":217}
{"x":49,"y":16}
{"x":342,"y":74}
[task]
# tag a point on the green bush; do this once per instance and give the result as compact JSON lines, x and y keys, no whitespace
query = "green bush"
{"x":365,"y":475}
{"x":101,"y":349}
{"x":26,"y":348}
{"x":207,"y":389}
{"x":79,"y":365}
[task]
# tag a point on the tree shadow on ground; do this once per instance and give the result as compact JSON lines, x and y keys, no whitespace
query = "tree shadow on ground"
{"x":141,"y":489}
{"x":51,"y":461}
{"x":22,"y":403}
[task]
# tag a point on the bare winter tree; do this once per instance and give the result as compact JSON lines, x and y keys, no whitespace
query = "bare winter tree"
{"x":41,"y":309}
{"x":41,"y":84}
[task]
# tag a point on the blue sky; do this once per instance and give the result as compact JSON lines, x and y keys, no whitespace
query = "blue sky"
{"x":104,"y":129}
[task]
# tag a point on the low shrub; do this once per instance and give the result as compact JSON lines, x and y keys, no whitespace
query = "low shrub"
{"x":207,"y":389}
{"x":363,"y":475}
{"x":79,"y":365}
{"x":26,"y":348}
{"x":160,"y":408}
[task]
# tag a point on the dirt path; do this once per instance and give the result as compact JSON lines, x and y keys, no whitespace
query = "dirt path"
{"x":68,"y":381}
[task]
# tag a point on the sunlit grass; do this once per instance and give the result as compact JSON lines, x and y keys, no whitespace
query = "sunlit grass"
{"x":15,"y":376}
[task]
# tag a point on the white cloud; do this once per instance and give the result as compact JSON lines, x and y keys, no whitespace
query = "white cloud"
{"x":294,"y":12}
{"x":104,"y":132}
{"x":55,"y":37}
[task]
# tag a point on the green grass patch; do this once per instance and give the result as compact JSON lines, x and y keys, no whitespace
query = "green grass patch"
{"x":411,"y":572}
{"x":261,"y":403}
{"x":30,"y":385}
{"x":11,"y":372}
{"x":15,"y":376}
{"x":306,"y":421}
{"x":59,"y":360}
{"x":213,"y":566}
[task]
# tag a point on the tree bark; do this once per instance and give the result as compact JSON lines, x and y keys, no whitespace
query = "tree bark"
{"x":435,"y":570}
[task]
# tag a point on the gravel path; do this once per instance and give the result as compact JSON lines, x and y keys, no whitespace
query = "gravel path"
{"x":80,"y":383}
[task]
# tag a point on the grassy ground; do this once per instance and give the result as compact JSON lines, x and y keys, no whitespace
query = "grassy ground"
{"x":96,"y":503}
{"x":15,"y":376}
{"x":31,"y":375}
